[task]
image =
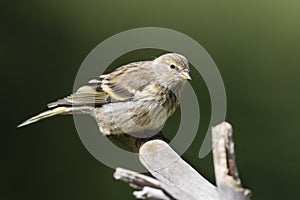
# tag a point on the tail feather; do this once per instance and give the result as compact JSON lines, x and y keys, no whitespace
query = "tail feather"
{"x":46,"y":114}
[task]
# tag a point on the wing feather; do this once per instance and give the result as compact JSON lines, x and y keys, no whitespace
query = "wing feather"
{"x":120,"y":85}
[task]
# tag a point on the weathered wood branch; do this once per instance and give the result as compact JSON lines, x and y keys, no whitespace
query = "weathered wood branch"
{"x":149,"y":187}
{"x":226,"y":172}
{"x":176,"y":179}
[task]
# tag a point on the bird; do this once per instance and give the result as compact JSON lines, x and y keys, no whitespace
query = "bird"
{"x":134,"y":100}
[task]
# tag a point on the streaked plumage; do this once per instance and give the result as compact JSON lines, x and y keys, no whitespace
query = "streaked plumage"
{"x":136,"y":98}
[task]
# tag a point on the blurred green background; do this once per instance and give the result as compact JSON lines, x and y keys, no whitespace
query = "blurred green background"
{"x":255,"y":44}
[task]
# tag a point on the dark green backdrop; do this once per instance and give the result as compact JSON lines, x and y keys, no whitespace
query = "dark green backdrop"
{"x":255,"y":44}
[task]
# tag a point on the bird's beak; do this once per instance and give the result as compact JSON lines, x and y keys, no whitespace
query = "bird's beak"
{"x":185,"y":75}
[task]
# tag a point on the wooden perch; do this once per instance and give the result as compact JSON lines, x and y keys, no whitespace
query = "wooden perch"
{"x":176,"y":179}
{"x":226,"y":172}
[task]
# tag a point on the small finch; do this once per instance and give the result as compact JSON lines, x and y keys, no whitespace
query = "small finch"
{"x":136,"y":99}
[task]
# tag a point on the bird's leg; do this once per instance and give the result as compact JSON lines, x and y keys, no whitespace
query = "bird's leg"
{"x":159,"y":136}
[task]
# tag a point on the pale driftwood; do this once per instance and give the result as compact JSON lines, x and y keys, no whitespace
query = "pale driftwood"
{"x":226,"y":173}
{"x":151,"y":193}
{"x":169,"y":168}
{"x":176,"y":179}
{"x":149,"y":188}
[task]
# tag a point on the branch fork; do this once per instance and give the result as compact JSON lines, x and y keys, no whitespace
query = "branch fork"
{"x":176,"y":179}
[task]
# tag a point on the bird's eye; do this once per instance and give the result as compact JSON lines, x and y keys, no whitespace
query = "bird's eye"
{"x":172,"y":66}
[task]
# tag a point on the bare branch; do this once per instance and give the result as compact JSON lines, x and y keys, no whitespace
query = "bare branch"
{"x":151,"y":193}
{"x":169,"y":168}
{"x":226,"y":173}
{"x":150,"y":187}
{"x":176,"y":179}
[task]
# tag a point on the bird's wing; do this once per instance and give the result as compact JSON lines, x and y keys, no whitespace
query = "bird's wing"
{"x":90,"y":94}
{"x":125,"y":82}
{"x":119,"y":85}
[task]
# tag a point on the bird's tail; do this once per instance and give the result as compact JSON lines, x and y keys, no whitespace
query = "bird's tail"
{"x":46,"y":114}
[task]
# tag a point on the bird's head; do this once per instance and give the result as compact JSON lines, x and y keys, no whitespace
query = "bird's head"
{"x":171,"y":69}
